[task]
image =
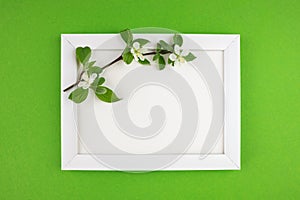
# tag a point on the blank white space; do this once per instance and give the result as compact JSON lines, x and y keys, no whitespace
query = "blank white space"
{"x":128,"y":144}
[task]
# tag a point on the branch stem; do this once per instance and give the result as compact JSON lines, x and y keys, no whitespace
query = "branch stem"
{"x":110,"y":64}
{"x":74,"y":84}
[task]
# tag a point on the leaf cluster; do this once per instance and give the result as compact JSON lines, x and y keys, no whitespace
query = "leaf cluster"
{"x":105,"y":94}
{"x":127,"y":55}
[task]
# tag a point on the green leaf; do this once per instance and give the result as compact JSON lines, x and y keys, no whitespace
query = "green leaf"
{"x":109,"y":96}
{"x":83,"y":54}
{"x":88,"y":65}
{"x":79,"y":95}
{"x":165,"y":45}
{"x":156,"y":56}
{"x":97,"y":82}
{"x":171,"y":62}
{"x":144,"y":62}
{"x":91,"y":64}
{"x":101,"y":81}
{"x":141,"y":41}
{"x":126,"y":50}
{"x":127,"y":36}
{"x":177,"y":39}
{"x":189,"y":57}
{"x":161,"y":63}
{"x":100,"y":90}
{"x":94,"y":69}
{"x":127,"y":57}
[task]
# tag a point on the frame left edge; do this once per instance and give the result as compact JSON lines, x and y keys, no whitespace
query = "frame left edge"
{"x":68,"y":132}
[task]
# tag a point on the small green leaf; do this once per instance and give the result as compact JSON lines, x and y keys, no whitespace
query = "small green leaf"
{"x":144,"y":62}
{"x":127,"y":36}
{"x":161,"y":63}
{"x":94,"y":69}
{"x":88,"y":65}
{"x":109,"y":96}
{"x":177,"y":39}
{"x":156,"y":56}
{"x":83,"y":54}
{"x":97,"y":82}
{"x":141,"y":41}
{"x":165,"y":45}
{"x":127,"y":57}
{"x":79,"y":95}
{"x":189,"y":57}
{"x":91,"y":64}
{"x":101,"y":81}
{"x":171,"y":62}
{"x":100,"y":90}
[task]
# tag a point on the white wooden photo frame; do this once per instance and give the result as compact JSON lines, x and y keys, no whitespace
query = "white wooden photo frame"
{"x":222,"y":49}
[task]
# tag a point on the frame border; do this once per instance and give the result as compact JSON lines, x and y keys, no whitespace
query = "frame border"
{"x":230,"y":160}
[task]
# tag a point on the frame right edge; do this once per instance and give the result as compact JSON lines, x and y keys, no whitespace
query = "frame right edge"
{"x":232,"y":105}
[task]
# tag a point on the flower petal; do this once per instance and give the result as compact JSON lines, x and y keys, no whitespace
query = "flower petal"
{"x":141,"y":57}
{"x":81,"y":83}
{"x":85,"y":76}
{"x":132,"y":50}
{"x":136,"y":45}
{"x":135,"y":57}
{"x":172,"y":57}
{"x":176,"y":49}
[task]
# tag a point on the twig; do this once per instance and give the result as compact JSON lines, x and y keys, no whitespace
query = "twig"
{"x":74,"y":84}
{"x":111,"y":63}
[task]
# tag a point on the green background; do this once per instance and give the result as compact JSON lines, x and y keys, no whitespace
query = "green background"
{"x":30,"y":98}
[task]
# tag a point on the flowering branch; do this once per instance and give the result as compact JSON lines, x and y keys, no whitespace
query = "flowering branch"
{"x":89,"y":77}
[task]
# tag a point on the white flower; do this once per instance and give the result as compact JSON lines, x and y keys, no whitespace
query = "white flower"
{"x":87,"y":80}
{"x":137,"y":52}
{"x":178,"y":55}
